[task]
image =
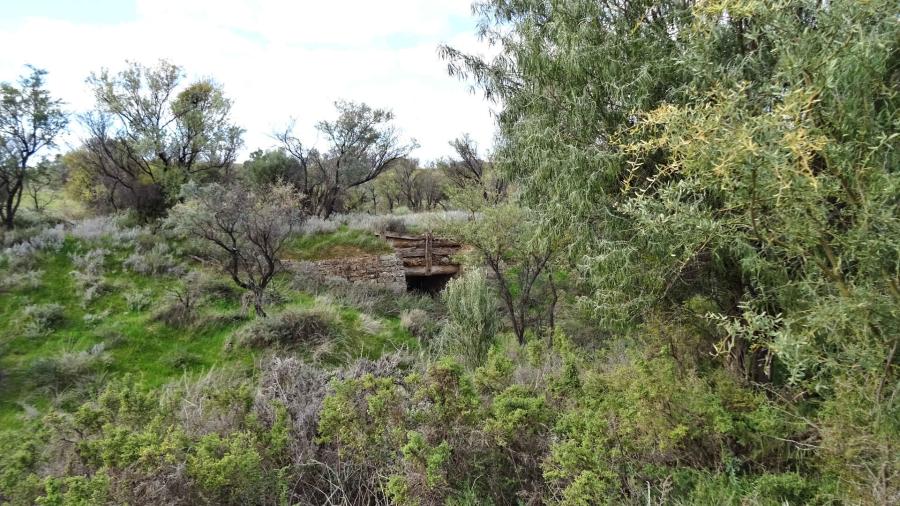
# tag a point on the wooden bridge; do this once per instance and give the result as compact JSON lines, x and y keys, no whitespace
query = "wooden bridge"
{"x":427,"y":260}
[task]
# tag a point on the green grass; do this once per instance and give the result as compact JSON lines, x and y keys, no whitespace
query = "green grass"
{"x":151,"y":350}
{"x":342,"y":243}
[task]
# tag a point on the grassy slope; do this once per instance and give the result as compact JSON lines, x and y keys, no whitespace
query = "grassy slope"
{"x":342,"y":243}
{"x":150,"y":349}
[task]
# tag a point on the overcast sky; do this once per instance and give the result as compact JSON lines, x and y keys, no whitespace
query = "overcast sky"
{"x":277,"y":59}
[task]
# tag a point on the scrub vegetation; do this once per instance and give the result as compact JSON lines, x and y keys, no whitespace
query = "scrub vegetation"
{"x":680,"y":277}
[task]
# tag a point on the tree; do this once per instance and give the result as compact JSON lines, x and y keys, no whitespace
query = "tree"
{"x":270,"y":167}
{"x":149,"y":134}
{"x":508,"y":240}
{"x":734,"y":156}
{"x":30,"y":122}
{"x":473,"y":183}
{"x":363,"y":143}
{"x":246,"y":229}
{"x":45,"y":175}
{"x":416,"y":187}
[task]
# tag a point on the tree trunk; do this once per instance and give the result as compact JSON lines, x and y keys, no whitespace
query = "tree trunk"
{"x":258,"y":304}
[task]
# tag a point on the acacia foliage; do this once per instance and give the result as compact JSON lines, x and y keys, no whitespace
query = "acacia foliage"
{"x":738,"y":157}
{"x":149,"y":134}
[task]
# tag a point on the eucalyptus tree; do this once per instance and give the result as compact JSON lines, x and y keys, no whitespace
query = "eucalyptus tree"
{"x":362,"y":144}
{"x":734,"y":156}
{"x":31,"y":121}
{"x":150,"y":133}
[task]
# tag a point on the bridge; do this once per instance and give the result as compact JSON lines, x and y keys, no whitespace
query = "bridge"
{"x":427,"y":260}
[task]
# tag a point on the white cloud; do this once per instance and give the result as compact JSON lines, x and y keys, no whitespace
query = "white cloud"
{"x":279,"y":59}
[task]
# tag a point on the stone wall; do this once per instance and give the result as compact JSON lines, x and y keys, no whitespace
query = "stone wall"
{"x":384,"y":270}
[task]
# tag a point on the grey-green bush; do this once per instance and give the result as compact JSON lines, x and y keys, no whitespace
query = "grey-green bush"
{"x":472,"y":317}
{"x":292,"y":327}
{"x":41,"y":319}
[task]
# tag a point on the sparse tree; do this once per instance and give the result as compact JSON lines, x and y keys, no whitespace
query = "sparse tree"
{"x":269,"y":167}
{"x":473,"y":183}
{"x":246,"y":229}
{"x":363,"y":143}
{"x":30,"y":122}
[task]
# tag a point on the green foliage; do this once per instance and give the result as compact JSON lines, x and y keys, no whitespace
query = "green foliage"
{"x":245,"y":230}
{"x":227,"y":470}
{"x":741,"y":153}
{"x":472,"y":323}
{"x":42,"y":318}
{"x":344,"y":242}
{"x":149,"y":134}
{"x":30,"y":122}
{"x":516,"y":414}
{"x":75,"y":491}
{"x":364,"y":419}
{"x":292,"y":327}
{"x":272,"y":167}
{"x":510,"y":242}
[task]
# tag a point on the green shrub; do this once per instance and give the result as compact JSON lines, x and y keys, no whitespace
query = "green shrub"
{"x":41,"y":319}
{"x":68,"y":368}
{"x":291,"y":328}
{"x":472,"y":318}
{"x":138,"y":300}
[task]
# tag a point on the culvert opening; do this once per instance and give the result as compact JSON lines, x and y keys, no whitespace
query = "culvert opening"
{"x":432,"y":285}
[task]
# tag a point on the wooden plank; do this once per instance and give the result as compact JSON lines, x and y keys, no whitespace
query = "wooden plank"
{"x":420,"y":252}
{"x":435,"y":270}
{"x":428,"y":258}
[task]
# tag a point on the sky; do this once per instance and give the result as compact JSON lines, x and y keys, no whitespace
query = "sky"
{"x":277,"y":59}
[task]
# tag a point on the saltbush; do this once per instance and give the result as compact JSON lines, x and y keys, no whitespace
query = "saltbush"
{"x":291,"y":328}
{"x":68,"y":367}
{"x":41,"y":319}
{"x":158,"y":260}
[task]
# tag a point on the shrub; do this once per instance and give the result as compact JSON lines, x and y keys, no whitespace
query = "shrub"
{"x":418,"y":323}
{"x":365,"y":297}
{"x":179,"y":307}
{"x":213,"y":287}
{"x":41,"y":319}
{"x":158,"y":260}
{"x":67,"y":368}
{"x":394,"y":224}
{"x":91,"y":262}
{"x":369,"y":325}
{"x":138,"y":300}
{"x":88,"y":274}
{"x":472,"y":321}
{"x":95,"y":318}
{"x":181,"y":359}
{"x":317,"y":225}
{"x":15,"y":280}
{"x":103,"y":227}
{"x":21,"y":250}
{"x":291,"y":327}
